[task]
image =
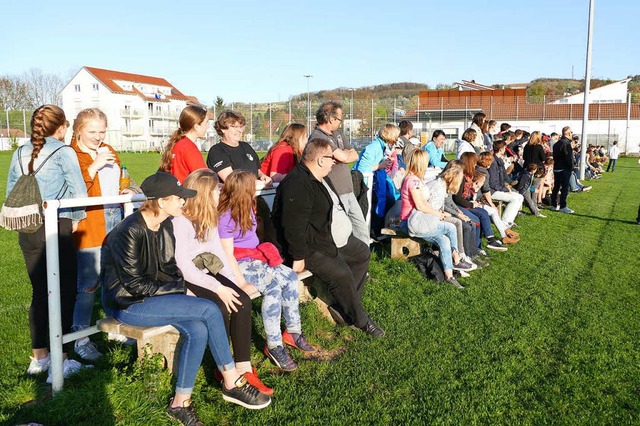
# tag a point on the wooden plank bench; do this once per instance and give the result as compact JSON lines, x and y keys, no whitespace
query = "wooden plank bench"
{"x":150,"y":340}
{"x":402,"y":245}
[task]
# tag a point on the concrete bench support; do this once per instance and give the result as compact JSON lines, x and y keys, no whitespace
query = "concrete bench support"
{"x":402,"y":245}
{"x":151,"y":340}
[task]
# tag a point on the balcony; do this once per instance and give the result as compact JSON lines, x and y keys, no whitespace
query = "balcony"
{"x":133,"y":131}
{"x":131,"y":113}
{"x":164,"y":115}
{"x":155,"y":131}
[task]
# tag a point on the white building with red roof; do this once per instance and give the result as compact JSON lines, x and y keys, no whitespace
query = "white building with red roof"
{"x":142,"y":111}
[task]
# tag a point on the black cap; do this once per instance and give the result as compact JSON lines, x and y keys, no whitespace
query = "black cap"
{"x":163,"y":185}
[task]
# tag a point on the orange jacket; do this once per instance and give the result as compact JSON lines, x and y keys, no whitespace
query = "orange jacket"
{"x":92,"y":230}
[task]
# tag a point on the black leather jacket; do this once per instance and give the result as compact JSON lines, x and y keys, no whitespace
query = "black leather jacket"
{"x":138,"y":263}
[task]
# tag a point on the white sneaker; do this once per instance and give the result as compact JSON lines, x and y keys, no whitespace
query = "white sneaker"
{"x":69,"y":367}
{"x":540,"y":215}
{"x":566,"y":210}
{"x":37,"y":366}
{"x":121,"y":338}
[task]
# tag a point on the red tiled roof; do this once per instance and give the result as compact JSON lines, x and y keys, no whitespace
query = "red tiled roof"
{"x":107,"y":78}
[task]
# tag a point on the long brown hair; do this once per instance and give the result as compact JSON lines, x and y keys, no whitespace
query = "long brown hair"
{"x":291,"y":135}
{"x":469,"y":161}
{"x":238,"y":197}
{"x":84,"y":116}
{"x":189,"y":117}
{"x":46,"y":120}
{"x":200,"y":209}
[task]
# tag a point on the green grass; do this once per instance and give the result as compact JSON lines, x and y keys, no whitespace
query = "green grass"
{"x":548,"y":334}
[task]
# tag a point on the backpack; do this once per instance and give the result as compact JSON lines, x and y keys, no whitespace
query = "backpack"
{"x":22,"y":210}
{"x":429,"y":266}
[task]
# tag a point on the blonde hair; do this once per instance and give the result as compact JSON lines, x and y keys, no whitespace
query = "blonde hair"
{"x":418,"y":163}
{"x":82,"y":118}
{"x":535,"y":138}
{"x":389,"y":133}
{"x":452,"y":175}
{"x":238,"y":197}
{"x":200,"y":209}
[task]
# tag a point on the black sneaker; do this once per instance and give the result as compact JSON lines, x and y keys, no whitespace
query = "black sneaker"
{"x":185,"y":414}
{"x":373,"y":329}
{"x":246,"y":395}
{"x":496,"y":245}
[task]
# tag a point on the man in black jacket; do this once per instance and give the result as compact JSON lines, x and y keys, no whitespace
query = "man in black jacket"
{"x":562,"y":169}
{"x":316,"y":233}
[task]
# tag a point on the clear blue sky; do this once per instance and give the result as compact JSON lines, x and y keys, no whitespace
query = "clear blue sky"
{"x":259,"y":50}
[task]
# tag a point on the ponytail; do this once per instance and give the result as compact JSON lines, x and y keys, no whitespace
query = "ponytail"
{"x":167,"y":154}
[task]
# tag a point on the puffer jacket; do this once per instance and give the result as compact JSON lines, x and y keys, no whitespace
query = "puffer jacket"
{"x":138,"y":263}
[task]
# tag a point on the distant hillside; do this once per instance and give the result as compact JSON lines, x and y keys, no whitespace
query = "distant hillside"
{"x":408,"y":92}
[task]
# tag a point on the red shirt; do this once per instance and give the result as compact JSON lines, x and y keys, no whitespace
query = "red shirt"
{"x":281,"y":160}
{"x":186,"y":158}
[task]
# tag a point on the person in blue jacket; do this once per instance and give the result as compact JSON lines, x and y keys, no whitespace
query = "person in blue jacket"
{"x":435,"y":148}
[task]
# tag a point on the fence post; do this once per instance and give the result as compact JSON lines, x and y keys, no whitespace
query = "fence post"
{"x":53,"y":287}
{"x":372,"y":118}
{"x":626,"y":135}
{"x":517,"y":107}
{"x":544,"y":105}
{"x":441,"y":111}
{"x":491,"y":107}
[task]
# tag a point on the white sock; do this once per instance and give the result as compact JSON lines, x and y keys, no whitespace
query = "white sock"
{"x":244,"y":367}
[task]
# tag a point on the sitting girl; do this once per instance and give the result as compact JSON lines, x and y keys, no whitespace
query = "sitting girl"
{"x":259,"y":268}
{"x":196,"y":234}
{"x":421,"y":219}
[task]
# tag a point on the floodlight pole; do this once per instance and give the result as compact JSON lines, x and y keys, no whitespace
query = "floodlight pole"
{"x":587,"y":86}
{"x":308,"y":76}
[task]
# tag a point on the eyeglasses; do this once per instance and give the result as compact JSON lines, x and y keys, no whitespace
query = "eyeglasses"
{"x":328,"y":156}
{"x":338,"y":118}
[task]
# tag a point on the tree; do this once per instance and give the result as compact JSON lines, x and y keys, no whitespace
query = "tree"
{"x":43,"y":88}
{"x":13,"y":93}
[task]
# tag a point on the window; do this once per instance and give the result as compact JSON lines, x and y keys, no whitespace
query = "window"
{"x":94,"y":87}
{"x":76,"y":88}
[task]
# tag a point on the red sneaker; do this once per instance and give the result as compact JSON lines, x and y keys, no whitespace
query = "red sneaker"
{"x":298,"y":342}
{"x":255,"y":381}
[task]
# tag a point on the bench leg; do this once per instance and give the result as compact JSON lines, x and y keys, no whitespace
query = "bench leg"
{"x":401,"y":248}
{"x":164,"y":344}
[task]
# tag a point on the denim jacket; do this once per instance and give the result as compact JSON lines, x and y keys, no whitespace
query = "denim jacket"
{"x":60,"y":177}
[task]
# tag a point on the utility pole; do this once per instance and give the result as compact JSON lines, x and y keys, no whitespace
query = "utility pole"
{"x":308,"y":76}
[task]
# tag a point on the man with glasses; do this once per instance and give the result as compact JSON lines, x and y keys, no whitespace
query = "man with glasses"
{"x":316,"y":234}
{"x":329,"y":119}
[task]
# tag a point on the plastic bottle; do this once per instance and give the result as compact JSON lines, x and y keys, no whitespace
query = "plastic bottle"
{"x":125,"y":179}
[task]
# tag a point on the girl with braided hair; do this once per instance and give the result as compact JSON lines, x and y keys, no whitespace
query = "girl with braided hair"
{"x":59,"y":177}
{"x":181,"y":155}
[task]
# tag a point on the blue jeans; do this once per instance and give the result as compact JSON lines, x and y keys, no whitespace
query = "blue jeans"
{"x":88,"y":271}
{"x":485,"y":221}
{"x":612,"y":164}
{"x":199,"y":321}
{"x":279,"y":288}
{"x":444,"y":236}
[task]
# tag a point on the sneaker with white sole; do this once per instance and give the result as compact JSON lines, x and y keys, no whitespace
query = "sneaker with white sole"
{"x":455,"y":283}
{"x":496,"y":245}
{"x":540,"y":215}
{"x":465,"y":266}
{"x":245,"y":395}
{"x":566,"y":210}
{"x":37,"y":366}
{"x":69,"y":368}
{"x":87,"y":351}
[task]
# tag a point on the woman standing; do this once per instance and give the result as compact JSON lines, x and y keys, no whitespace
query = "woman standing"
{"x":533,"y":151}
{"x":181,"y":155}
{"x":58,"y":176}
{"x":286,"y":153}
{"x":259,"y":268}
{"x":100,"y":167}
{"x":196,"y":233}
{"x":143,"y":286}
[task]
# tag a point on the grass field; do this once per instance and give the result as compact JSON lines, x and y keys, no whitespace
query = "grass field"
{"x":548,"y":334}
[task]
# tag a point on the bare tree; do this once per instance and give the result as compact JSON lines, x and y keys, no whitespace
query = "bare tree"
{"x":13,"y":93}
{"x":43,"y":88}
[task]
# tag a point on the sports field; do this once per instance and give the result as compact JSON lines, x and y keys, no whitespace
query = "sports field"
{"x":548,"y":334}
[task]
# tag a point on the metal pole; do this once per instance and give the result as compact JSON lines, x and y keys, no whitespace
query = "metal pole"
{"x":24,"y":123}
{"x":372,"y":117}
{"x":308,"y":76}
{"x":251,"y":119}
{"x":270,"y":123}
{"x":394,"y":111}
{"x":587,"y":85}
{"x":53,"y":288}
{"x":626,"y":135}
{"x":290,"y":118}
{"x":8,"y":128}
{"x":351,"y":117}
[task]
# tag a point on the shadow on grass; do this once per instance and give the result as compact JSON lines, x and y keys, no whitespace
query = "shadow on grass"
{"x":606,"y":219}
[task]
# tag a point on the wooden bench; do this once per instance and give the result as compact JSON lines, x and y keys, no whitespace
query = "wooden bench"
{"x":151,"y":340}
{"x":402,"y":245}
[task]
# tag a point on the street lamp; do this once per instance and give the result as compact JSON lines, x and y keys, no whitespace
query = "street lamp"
{"x":308,"y":76}
{"x":351,"y":116}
